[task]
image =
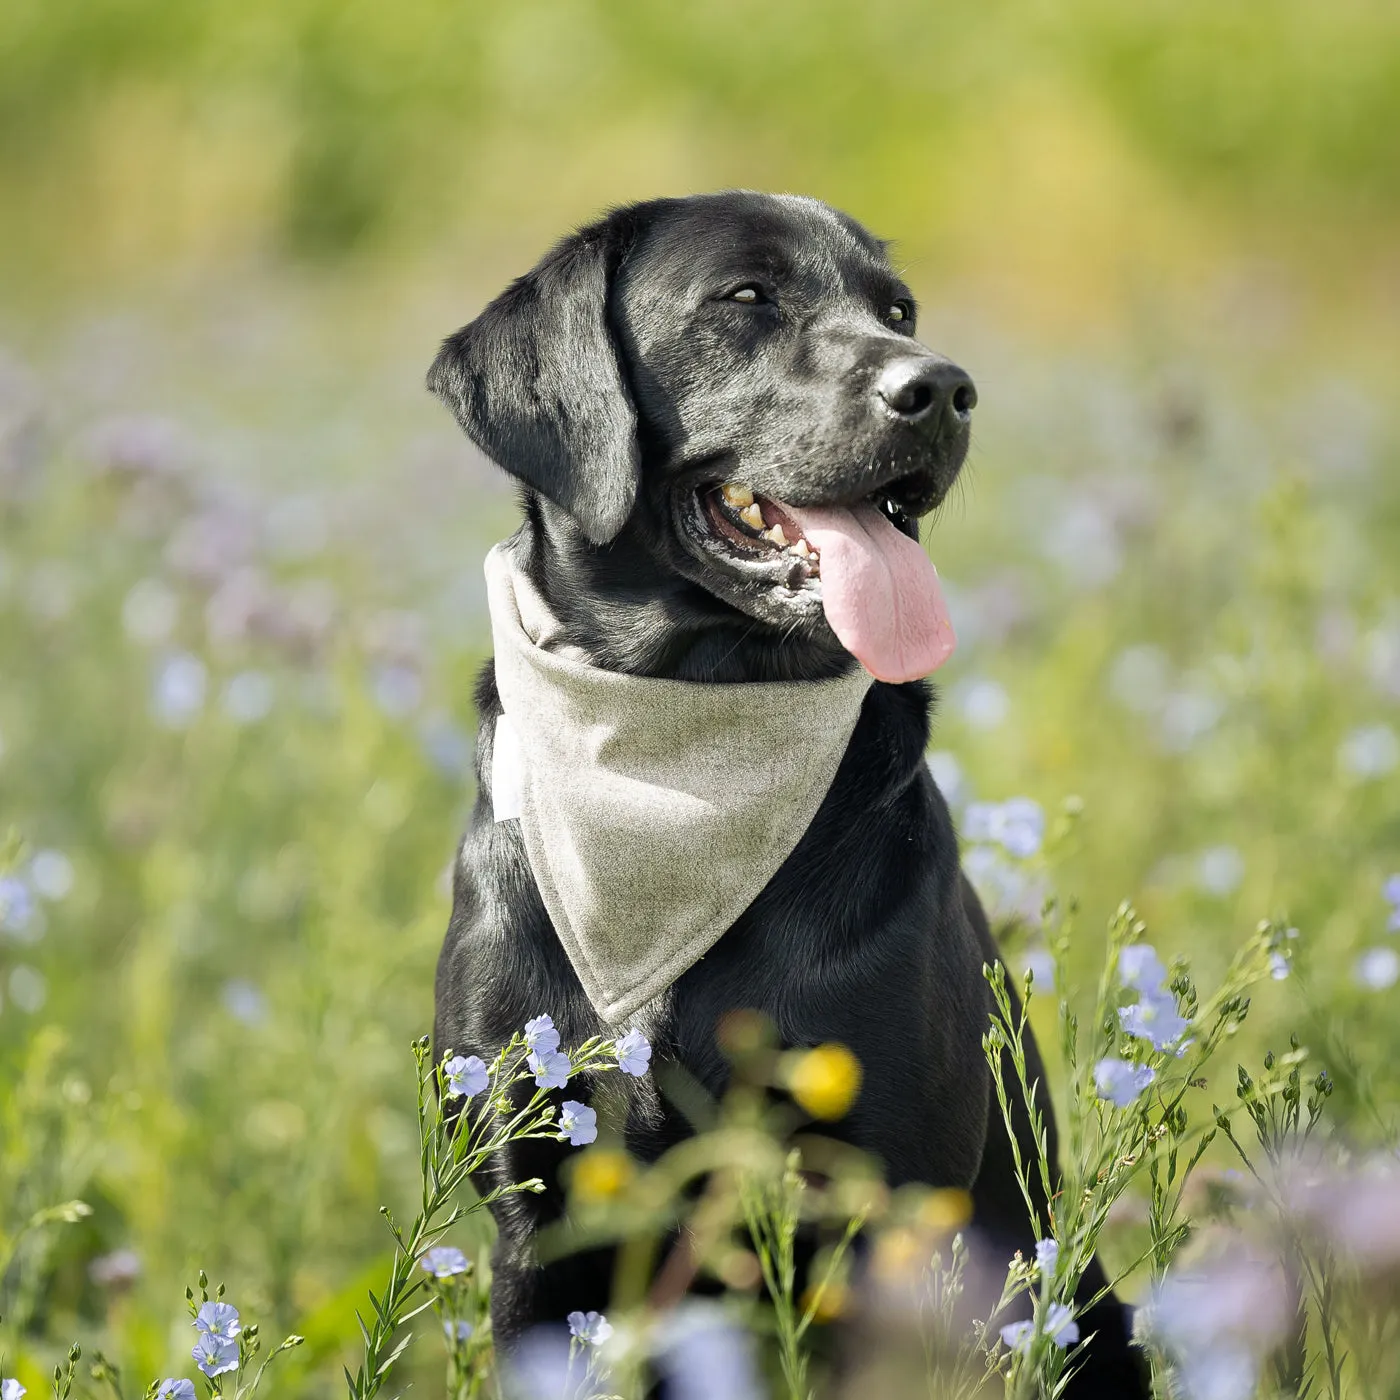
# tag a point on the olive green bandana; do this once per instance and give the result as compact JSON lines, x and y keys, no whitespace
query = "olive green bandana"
{"x":653,"y":811}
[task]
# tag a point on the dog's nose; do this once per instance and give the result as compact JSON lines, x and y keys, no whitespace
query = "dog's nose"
{"x":927,"y":388}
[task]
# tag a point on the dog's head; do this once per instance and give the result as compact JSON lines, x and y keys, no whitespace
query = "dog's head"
{"x":730,"y":383}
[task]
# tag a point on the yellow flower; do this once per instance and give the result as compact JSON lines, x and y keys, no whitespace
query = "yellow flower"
{"x":945,"y":1210}
{"x":834,"y":1301}
{"x":601,"y":1175}
{"x":825,"y":1081}
{"x":899,"y":1254}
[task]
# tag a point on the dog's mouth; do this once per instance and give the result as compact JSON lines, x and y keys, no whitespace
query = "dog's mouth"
{"x":862,"y":563}
{"x":760,"y":529}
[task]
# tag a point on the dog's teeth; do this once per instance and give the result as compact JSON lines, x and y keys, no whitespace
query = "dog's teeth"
{"x":751,"y":515}
{"x":777,"y":535}
{"x":802,"y":548}
{"x":736,"y":495}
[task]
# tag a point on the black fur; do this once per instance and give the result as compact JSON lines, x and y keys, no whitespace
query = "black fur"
{"x":615,"y":380}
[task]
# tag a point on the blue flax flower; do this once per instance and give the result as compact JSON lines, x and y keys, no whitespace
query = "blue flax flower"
{"x":218,"y":1320}
{"x":1060,"y":1327}
{"x":1016,"y":825}
{"x":591,"y":1327}
{"x":1120,"y":1081}
{"x":172,"y":1389}
{"x":1017,"y":1335}
{"x":458,"y":1329}
{"x":215,"y":1356}
{"x":1047,"y":1255}
{"x":12,"y":1390}
{"x":703,"y":1355}
{"x":578,"y":1124}
{"x":634,"y":1053}
{"x":551,"y":1069}
{"x":1378,"y":968}
{"x":465,"y":1077}
{"x":540,"y":1036}
{"x":443,"y":1261}
{"x":1139,"y":967}
{"x":1155,"y":1017}
{"x":16,"y":908}
{"x":1020,"y":827}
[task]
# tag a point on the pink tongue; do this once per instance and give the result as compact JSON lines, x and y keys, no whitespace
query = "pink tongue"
{"x":879,"y":591}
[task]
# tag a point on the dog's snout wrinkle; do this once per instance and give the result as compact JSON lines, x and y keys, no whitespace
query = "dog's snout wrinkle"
{"x":927,"y":388}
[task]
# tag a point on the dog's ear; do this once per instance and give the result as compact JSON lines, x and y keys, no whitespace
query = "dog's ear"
{"x":535,"y":382}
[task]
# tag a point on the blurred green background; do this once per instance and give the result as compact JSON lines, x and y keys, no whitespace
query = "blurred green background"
{"x":240,"y":547}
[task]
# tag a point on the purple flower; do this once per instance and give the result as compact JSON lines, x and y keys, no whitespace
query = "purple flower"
{"x":541,"y":1366}
{"x":1016,"y":825}
{"x":633,"y":1053}
{"x":705,"y":1356}
{"x":398,"y":689}
{"x":1219,"y":1373}
{"x":1360,"y":1212}
{"x":1390,"y":891}
{"x":244,"y":1001}
{"x":1047,"y":1255}
{"x":984,"y":703}
{"x":177,"y":694}
{"x":1041,"y":966}
{"x":1017,"y":1335}
{"x":457,"y":1329}
{"x":1378,"y":968}
{"x":1060,"y":1325}
{"x":249,"y":697}
{"x":1120,"y":1081}
{"x":578,"y":1124}
{"x":1219,"y":870}
{"x":51,"y":874}
{"x":115,"y":1270}
{"x":1214,"y":1321}
{"x":590,"y":1327}
{"x":444,"y":1261}
{"x":172,"y":1389}
{"x":1020,"y":827}
{"x":218,"y":1320}
{"x":12,"y":1390}
{"x":977,"y":821}
{"x":1369,"y":752}
{"x":16,"y":905}
{"x":215,"y":1356}
{"x":540,"y":1036}
{"x":1139,"y":967}
{"x":551,"y":1069}
{"x":1234,"y":1294}
{"x":1155,"y":1017}
{"x":465,"y":1077}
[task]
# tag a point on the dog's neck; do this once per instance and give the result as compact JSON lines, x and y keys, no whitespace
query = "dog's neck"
{"x":620,"y":609}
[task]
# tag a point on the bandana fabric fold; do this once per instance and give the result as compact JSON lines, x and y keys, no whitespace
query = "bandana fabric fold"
{"x":653,"y":811}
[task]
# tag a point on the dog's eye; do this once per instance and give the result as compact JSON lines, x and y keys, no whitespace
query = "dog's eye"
{"x":749,"y":295}
{"x":899,"y":312}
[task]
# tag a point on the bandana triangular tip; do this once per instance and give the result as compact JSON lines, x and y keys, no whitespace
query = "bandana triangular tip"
{"x":653,"y":812}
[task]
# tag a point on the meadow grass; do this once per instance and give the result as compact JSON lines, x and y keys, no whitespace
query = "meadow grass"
{"x":236,"y":750}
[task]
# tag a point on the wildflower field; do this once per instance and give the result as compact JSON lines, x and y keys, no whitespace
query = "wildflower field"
{"x":242,"y":609}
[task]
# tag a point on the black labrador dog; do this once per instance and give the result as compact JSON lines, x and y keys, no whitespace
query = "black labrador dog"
{"x":667,"y":350}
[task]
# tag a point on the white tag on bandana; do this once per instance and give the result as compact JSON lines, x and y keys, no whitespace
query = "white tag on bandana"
{"x":507,"y":771}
